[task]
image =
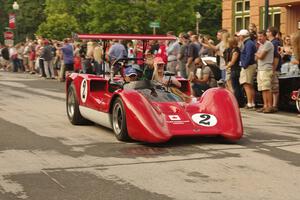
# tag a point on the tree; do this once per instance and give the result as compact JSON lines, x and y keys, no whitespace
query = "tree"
{"x":211,"y":11}
{"x":58,"y":26}
{"x":28,"y":17}
{"x":134,"y":16}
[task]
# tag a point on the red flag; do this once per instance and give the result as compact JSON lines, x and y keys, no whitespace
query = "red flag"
{"x":12,"y":21}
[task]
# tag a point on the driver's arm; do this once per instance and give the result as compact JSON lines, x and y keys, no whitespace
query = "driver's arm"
{"x":175,"y":82}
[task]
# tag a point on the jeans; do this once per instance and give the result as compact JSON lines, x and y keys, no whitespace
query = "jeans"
{"x":16,"y":64}
{"x":42,"y":68}
{"x":49,"y":68}
{"x":98,"y":68}
{"x":238,"y":92}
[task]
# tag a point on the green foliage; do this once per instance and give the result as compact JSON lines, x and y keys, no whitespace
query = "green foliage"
{"x":211,"y":11}
{"x":28,"y":17}
{"x":135,"y":16}
{"x":61,"y":17}
{"x":58,"y":26}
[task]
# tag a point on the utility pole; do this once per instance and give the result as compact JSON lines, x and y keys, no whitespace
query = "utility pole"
{"x":266,"y":14}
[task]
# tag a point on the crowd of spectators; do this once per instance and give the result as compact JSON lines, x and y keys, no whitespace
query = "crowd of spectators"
{"x":240,"y":59}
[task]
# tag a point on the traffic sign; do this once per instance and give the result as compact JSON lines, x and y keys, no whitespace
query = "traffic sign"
{"x":9,"y":43}
{"x":8,"y":35}
{"x":154,"y":24}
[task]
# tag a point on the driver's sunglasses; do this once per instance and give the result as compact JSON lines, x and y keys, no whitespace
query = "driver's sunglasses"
{"x":132,"y":76}
{"x":161,"y":65}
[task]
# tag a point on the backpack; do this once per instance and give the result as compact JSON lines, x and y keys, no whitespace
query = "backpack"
{"x":216,"y":71}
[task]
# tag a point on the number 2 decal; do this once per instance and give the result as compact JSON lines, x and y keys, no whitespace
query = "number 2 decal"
{"x":83,"y":90}
{"x":204,"y":119}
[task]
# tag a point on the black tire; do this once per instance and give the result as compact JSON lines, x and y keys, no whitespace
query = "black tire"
{"x":119,"y":121}
{"x":72,"y":106}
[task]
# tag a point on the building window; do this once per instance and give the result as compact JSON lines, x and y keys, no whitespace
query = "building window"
{"x":247,"y":5}
{"x":239,"y":6}
{"x":241,"y":14}
{"x":238,"y":23}
{"x":274,"y":17}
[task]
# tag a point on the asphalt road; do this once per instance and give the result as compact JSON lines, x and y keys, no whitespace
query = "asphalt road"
{"x":44,"y":157}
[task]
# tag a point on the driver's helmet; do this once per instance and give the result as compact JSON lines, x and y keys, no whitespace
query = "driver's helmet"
{"x":130,"y":71}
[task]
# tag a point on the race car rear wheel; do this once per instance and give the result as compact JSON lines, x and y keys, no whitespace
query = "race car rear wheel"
{"x":73,"y":111}
{"x":119,"y":121}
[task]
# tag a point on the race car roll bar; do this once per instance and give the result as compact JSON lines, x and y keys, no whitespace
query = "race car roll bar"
{"x":122,"y":37}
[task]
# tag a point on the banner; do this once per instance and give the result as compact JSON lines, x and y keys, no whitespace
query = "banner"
{"x":12,"y":21}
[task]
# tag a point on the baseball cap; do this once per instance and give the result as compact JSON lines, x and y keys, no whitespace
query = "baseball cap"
{"x":243,"y":32}
{"x":136,"y":67}
{"x":158,"y":60}
{"x":129,"y":71}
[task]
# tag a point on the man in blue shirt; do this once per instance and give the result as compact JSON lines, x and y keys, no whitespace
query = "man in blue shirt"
{"x":248,"y":65}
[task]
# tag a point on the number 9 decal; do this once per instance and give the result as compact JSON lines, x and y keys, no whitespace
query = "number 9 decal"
{"x":83,"y":90}
{"x":204,"y":119}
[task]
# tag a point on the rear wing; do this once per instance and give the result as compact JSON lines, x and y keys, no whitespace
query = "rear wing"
{"x":105,"y":36}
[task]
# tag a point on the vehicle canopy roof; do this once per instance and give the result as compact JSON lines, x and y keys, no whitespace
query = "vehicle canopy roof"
{"x":107,"y":36}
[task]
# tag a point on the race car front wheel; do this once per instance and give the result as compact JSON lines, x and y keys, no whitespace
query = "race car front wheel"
{"x":119,"y":121}
{"x":73,"y":111}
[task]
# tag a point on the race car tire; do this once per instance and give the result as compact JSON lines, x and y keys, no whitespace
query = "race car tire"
{"x":298,"y":104}
{"x":73,"y":111}
{"x":119,"y":121}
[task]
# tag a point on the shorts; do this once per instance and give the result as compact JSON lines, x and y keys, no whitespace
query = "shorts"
{"x":247,"y":75}
{"x":264,"y":80}
{"x":275,"y":83}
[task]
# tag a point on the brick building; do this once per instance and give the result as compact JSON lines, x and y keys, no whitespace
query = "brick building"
{"x":283,"y":14}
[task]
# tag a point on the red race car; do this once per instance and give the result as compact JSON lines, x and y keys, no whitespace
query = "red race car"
{"x":147,"y":110}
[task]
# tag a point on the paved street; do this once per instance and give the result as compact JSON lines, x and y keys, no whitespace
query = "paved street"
{"x":44,"y":157}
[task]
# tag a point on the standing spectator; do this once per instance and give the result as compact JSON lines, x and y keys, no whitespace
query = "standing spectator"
{"x":40,"y":59}
{"x":182,"y":56}
{"x":265,"y":58}
{"x":26,"y":57}
{"x":252,"y":31}
{"x":13,"y":54}
{"x":205,"y":51}
{"x":98,"y":62}
{"x":286,"y":51}
{"x":20,"y":49}
{"x":47,"y":55}
{"x":193,"y":53}
{"x":116,"y":51}
{"x":172,"y":51}
{"x":67,"y":51}
{"x":232,"y":58}
{"x":247,"y":62}
{"x":162,"y":51}
{"x":5,"y":57}
{"x":220,"y":48}
{"x":32,"y":58}
{"x":271,"y":35}
{"x":77,"y":59}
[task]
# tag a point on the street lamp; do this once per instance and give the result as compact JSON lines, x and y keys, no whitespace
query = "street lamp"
{"x":198,"y":16}
{"x":16,"y":8}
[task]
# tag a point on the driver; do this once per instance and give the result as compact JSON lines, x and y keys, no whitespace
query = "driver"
{"x":130,"y":75}
{"x":158,"y":74}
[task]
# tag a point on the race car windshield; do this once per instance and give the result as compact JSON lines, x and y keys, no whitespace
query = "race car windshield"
{"x":154,"y":91}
